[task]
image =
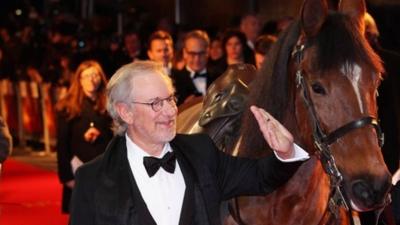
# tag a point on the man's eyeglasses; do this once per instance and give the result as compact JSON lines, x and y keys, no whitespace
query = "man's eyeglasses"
{"x":193,"y":53}
{"x":158,"y":103}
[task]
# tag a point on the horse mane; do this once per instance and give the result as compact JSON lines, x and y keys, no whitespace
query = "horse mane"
{"x":337,"y":43}
{"x":269,"y":90}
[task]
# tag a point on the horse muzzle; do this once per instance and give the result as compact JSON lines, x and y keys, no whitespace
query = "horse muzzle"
{"x":368,"y":195}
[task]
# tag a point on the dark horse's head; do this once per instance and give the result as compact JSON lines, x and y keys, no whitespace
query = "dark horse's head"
{"x":321,"y":82}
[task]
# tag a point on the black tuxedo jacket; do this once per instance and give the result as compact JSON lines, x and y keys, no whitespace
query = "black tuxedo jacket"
{"x":184,"y":85}
{"x":106,"y":192}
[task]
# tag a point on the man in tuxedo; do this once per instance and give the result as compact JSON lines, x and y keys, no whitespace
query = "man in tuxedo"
{"x":150,"y":175}
{"x":161,"y":49}
{"x":132,"y":46}
{"x":194,"y":79}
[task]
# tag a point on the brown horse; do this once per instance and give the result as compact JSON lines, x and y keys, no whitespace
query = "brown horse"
{"x":321,"y":82}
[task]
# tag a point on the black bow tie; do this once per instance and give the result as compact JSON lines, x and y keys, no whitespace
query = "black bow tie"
{"x":197,"y":75}
{"x":153,"y":164}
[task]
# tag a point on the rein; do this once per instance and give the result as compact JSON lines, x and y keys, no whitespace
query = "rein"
{"x":323,"y":140}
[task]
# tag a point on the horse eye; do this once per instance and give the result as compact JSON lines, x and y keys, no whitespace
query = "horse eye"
{"x":317,"y":88}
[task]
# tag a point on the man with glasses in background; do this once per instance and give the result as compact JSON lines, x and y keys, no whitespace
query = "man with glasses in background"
{"x":150,"y":175}
{"x":194,"y":79}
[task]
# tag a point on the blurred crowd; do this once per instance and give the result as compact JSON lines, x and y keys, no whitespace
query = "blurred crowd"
{"x":49,"y":50}
{"x":40,"y":53}
{"x":53,"y":74}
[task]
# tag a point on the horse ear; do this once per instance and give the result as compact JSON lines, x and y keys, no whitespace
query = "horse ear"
{"x":313,"y":14}
{"x":356,"y":10}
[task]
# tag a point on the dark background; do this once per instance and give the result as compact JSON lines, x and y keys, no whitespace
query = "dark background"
{"x":208,"y":14}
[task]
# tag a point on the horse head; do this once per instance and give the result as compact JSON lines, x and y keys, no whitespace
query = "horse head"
{"x":321,"y":82}
{"x":336,"y":76}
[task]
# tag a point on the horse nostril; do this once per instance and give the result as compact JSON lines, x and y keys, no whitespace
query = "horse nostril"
{"x":363,"y":192}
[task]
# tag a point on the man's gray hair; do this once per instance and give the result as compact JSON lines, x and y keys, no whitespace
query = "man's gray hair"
{"x":197,"y":34}
{"x":120,"y":88}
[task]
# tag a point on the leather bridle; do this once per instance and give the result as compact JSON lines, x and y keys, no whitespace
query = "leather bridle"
{"x":323,"y":140}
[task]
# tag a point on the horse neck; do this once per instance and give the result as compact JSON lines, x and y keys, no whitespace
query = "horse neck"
{"x":310,"y":188}
{"x":312,"y":185}
{"x":311,"y":175}
{"x":301,"y":201}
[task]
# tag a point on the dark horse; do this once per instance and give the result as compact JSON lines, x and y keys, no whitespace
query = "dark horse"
{"x":321,"y":82}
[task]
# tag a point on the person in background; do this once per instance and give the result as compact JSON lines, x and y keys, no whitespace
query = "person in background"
{"x":216,"y":51}
{"x":235,"y":49}
{"x":5,"y":142}
{"x":114,"y":55}
{"x":161,"y":49}
{"x":194,"y":79}
{"x":150,"y":175}
{"x":83,"y":125}
{"x":132,"y":46}
{"x":262,"y":46}
{"x":216,"y":55}
{"x":250,"y":25}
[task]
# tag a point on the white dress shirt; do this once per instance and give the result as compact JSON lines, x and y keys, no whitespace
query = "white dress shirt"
{"x":163,"y":193}
{"x":299,"y":155}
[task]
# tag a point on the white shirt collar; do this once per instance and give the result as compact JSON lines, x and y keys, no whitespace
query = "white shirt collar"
{"x":192,"y":72}
{"x":138,"y":153}
{"x":164,"y":192}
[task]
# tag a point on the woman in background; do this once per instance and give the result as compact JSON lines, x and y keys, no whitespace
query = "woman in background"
{"x":83,"y":125}
{"x":236,"y":48}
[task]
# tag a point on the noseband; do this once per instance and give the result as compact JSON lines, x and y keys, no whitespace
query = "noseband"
{"x":323,"y":140}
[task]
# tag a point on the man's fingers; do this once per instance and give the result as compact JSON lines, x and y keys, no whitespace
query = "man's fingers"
{"x":273,"y":131}
{"x":264,"y":124}
{"x":276,"y":124}
{"x":259,"y":117}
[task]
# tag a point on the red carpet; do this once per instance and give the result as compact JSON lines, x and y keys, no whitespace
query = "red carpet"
{"x":29,"y":196}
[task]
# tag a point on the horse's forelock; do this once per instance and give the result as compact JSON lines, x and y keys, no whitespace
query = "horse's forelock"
{"x":340,"y":43}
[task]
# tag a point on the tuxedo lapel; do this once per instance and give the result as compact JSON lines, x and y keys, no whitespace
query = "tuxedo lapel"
{"x":193,"y":207}
{"x":113,"y":198}
{"x":141,"y":212}
{"x":118,"y":197}
{"x":188,"y":199}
